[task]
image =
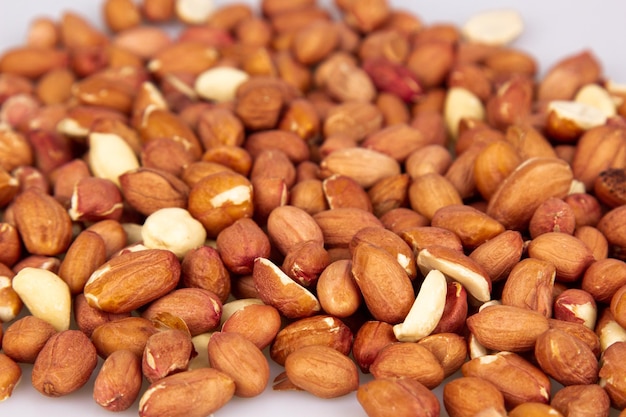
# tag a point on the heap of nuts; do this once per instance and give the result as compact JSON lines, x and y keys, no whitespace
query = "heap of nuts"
{"x":349,"y":191}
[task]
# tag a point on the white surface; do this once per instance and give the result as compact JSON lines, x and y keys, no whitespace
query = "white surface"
{"x":554,"y":29}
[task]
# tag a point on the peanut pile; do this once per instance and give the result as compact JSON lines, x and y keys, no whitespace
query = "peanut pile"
{"x":342,"y":192}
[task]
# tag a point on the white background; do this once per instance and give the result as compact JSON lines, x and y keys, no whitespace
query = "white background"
{"x":554,"y":29}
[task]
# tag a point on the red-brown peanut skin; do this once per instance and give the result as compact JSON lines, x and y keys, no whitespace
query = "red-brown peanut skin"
{"x":56,"y":371}
{"x":118,"y":382}
{"x":200,"y":309}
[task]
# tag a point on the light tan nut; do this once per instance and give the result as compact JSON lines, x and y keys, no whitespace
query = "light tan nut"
{"x":317,"y":330}
{"x":242,"y":360}
{"x":130,"y":333}
{"x":467,"y":396}
{"x":10,"y":376}
{"x":24,"y":338}
{"x":410,"y":398}
{"x":200,"y":309}
{"x":494,"y":27}
{"x":370,"y":262}
{"x":45,"y":295}
{"x":219,"y":84}
{"x":565,"y":358}
{"x":461,"y":104}
{"x":518,"y":379}
{"x":426,"y":311}
{"x":597,"y":96}
{"x":133,"y":279}
{"x":56,"y":372}
{"x":507,"y":328}
{"x":196,"y":392}
{"x":173,"y":229}
{"x":582,"y":401}
{"x":457,"y":267}
{"x":322,"y":371}
{"x":194,"y":11}
{"x":118,"y":382}
{"x":280,"y":291}
{"x":110,"y":156}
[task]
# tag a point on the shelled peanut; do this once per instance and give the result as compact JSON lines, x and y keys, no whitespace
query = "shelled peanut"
{"x":368,"y":192}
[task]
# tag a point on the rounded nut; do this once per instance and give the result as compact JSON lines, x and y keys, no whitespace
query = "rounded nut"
{"x":322,"y":371}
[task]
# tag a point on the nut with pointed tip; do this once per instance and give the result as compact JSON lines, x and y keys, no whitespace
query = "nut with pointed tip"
{"x":365,"y":166}
{"x":129,"y":333}
{"x":200,"y":309}
{"x":457,"y":267}
{"x":278,"y":290}
{"x":426,"y":311}
{"x":502,"y":327}
{"x":369,"y":262}
{"x":166,"y":352}
{"x":195,"y":392}
{"x":467,"y":396}
{"x":322,"y":371}
{"x":242,"y":360}
{"x":132,"y":279}
{"x":519,"y":380}
{"x":530,"y":285}
{"x":259,"y":323}
{"x":118,"y":382}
